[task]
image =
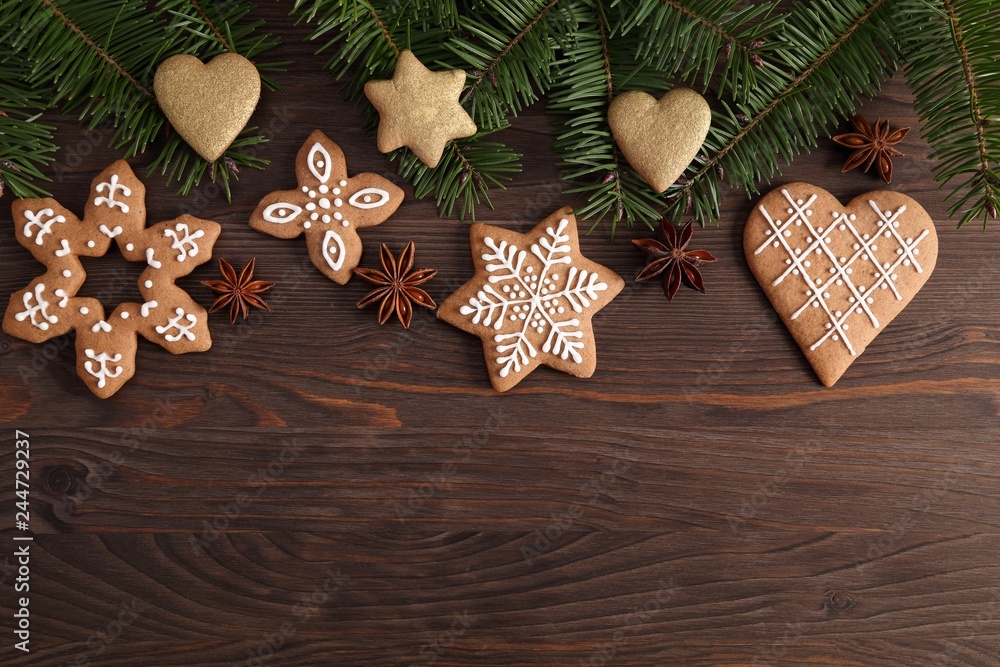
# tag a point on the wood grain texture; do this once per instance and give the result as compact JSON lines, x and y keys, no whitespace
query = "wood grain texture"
{"x":318,"y":490}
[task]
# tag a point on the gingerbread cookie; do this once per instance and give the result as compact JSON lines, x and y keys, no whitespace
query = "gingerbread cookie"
{"x":420,"y":109}
{"x":106,"y":345}
{"x":208,"y":104}
{"x":532,"y":300}
{"x":660,"y":138}
{"x":329,"y":207}
{"x":837,"y":275}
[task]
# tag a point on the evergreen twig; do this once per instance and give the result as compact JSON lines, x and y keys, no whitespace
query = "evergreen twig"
{"x":830,"y":58}
{"x":953,"y":66}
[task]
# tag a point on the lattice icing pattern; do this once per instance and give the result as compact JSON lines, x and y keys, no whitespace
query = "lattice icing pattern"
{"x":838,"y":274}
{"x":106,"y":344}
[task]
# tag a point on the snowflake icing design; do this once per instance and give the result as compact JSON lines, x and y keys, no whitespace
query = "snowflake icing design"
{"x":536,"y":302}
{"x":857,"y":271}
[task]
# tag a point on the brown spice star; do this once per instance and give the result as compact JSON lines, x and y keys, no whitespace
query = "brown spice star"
{"x":667,"y":255}
{"x":397,"y":285}
{"x":238,"y":292}
{"x":872,"y":145}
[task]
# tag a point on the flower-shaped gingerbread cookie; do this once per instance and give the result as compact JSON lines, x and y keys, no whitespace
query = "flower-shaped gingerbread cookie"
{"x":106,"y":345}
{"x":329,"y":207}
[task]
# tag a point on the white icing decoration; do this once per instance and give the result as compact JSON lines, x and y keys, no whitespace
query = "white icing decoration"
{"x":113,"y":187}
{"x":101,"y":326}
{"x":334,"y":255}
{"x":102,"y":372}
{"x":183,"y":330}
{"x":84,"y":310}
{"x":533,"y":298}
{"x":44,"y":227}
{"x":146,"y":307}
{"x":152,"y":262}
{"x":184,"y":245}
{"x":319,"y":162}
{"x":281,"y":213}
{"x":67,"y":273}
{"x":111,"y":233}
{"x":363,"y":198}
{"x":90,"y":244}
{"x":129,"y":247}
{"x":63,"y":297}
{"x":863,"y":248}
{"x":124,"y":314}
{"x":40,"y":309}
{"x":148,"y":283}
{"x":63,"y":249}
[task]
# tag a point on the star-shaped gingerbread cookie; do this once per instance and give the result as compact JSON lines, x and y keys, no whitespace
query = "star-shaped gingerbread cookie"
{"x":532,"y":300}
{"x":329,"y":207}
{"x":419,"y":109}
{"x":106,"y":343}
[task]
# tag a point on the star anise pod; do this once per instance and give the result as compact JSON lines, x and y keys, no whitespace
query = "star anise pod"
{"x":667,"y":255}
{"x":397,"y":285}
{"x":238,"y":292}
{"x":872,"y":145}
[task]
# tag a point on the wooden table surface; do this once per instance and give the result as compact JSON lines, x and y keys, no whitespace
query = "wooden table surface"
{"x":319,"y":490}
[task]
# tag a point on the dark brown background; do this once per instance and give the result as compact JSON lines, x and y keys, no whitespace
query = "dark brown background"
{"x":702,"y":476}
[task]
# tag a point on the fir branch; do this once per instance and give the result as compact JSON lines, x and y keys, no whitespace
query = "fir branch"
{"x":87,"y":52}
{"x":211,"y":28}
{"x":25,"y":144}
{"x":959,"y":105}
{"x":366,"y":37}
{"x":510,"y":47}
{"x":98,"y":57}
{"x":834,"y":57}
{"x":593,"y":69}
{"x":467,"y":170}
{"x":689,"y":38}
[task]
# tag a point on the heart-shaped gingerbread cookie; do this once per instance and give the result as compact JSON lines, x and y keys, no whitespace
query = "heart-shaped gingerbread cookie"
{"x":837,"y":275}
{"x":207,"y":104}
{"x":659,"y":138}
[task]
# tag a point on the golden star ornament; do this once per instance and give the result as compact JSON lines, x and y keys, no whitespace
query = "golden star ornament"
{"x":419,"y":109}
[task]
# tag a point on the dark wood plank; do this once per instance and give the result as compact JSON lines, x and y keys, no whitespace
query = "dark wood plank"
{"x":794,"y":525}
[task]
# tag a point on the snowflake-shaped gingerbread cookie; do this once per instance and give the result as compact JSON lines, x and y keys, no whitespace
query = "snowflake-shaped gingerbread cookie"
{"x":106,"y":344}
{"x":532,"y":300}
{"x":329,"y":206}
